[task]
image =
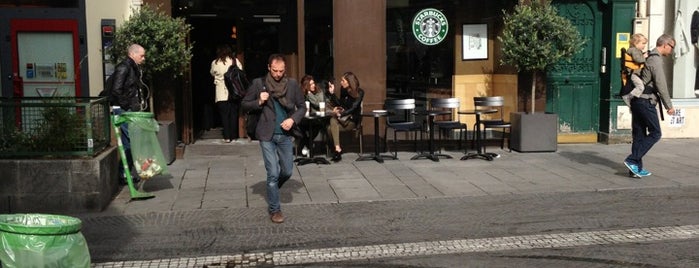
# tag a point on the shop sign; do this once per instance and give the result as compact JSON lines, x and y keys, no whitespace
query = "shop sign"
{"x":430,"y":26}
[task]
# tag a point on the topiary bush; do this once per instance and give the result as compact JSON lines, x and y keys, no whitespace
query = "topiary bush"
{"x":164,"y":38}
{"x":535,"y":37}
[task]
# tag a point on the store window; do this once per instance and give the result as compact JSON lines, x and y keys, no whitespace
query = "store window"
{"x":414,"y":69}
{"x":39,"y":3}
{"x":319,"y":39}
{"x":46,"y":63}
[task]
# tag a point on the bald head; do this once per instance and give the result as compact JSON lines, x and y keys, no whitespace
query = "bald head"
{"x":137,"y":53}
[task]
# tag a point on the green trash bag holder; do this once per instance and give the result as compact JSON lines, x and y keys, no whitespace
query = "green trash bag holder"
{"x":42,"y":240}
{"x":117,"y":120}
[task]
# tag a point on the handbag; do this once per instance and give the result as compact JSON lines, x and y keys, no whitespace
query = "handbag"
{"x":345,"y":118}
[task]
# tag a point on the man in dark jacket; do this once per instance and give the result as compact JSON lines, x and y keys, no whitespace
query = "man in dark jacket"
{"x":127,"y":84}
{"x":281,"y":103}
{"x":127,"y":95}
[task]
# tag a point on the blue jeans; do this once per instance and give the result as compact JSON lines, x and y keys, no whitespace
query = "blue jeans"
{"x":645,"y":130}
{"x":126,"y":142}
{"x":278,"y":155}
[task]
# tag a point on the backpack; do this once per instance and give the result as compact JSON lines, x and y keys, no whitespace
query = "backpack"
{"x":236,"y":82}
{"x":107,"y":91}
{"x":252,"y":117}
{"x":627,"y":67}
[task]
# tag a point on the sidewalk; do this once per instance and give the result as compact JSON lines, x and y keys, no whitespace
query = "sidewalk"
{"x":215,"y":175}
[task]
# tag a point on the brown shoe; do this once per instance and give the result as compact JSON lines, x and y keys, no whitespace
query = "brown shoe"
{"x":277,"y":217}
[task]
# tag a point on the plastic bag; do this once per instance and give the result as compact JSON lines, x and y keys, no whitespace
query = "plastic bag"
{"x":147,"y":155}
{"x":42,"y":240}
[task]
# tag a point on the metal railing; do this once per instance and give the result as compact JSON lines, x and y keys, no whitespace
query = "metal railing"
{"x":53,"y":127}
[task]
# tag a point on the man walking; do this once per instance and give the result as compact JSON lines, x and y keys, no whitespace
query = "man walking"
{"x":645,"y":124}
{"x":281,"y":104}
{"x":127,"y":95}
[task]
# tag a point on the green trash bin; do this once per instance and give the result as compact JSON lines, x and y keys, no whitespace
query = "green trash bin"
{"x":42,"y":240}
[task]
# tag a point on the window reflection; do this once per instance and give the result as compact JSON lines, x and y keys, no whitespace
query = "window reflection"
{"x":415,"y":70}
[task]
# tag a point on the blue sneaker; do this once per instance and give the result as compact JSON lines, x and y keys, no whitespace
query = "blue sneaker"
{"x":633,"y":168}
{"x":644,"y":173}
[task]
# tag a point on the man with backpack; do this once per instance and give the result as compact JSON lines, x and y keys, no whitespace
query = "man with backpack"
{"x":128,"y":93}
{"x":644,"y":116}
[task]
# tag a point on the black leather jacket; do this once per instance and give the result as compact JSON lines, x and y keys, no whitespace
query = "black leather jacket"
{"x":126,"y":87}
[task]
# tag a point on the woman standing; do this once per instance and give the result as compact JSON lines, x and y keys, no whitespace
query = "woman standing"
{"x":347,"y":111}
{"x":229,"y":109}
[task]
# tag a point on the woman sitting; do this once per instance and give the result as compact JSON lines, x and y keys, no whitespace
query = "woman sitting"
{"x":314,"y":97}
{"x":347,"y":110}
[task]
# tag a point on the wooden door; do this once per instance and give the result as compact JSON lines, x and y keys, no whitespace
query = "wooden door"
{"x":573,"y":88}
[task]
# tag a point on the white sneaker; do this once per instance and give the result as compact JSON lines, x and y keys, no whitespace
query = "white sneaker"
{"x":305,"y":151}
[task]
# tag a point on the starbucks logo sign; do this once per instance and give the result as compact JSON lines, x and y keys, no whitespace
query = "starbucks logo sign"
{"x":430,"y":26}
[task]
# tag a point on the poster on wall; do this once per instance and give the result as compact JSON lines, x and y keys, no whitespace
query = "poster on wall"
{"x":677,"y":119}
{"x":474,"y":43}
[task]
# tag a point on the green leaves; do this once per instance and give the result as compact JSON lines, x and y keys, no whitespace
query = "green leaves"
{"x":163,"y":37}
{"x":535,"y":37}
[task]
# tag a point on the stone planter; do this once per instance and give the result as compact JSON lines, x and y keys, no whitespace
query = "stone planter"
{"x":58,"y":185}
{"x":534,"y":132}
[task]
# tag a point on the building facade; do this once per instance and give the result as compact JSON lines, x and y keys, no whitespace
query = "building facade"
{"x":55,"y":48}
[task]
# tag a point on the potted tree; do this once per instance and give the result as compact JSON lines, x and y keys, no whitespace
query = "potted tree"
{"x":168,"y":55}
{"x":535,"y":38}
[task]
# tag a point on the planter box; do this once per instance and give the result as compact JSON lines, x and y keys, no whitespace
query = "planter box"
{"x":537,"y":132}
{"x":168,"y":139}
{"x":58,"y":185}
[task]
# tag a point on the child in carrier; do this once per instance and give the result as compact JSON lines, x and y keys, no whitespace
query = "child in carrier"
{"x":634,"y":61}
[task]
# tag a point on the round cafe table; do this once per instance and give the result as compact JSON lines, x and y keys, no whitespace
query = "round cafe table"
{"x":430,"y":154}
{"x":480,"y":152}
{"x":312,"y":121}
{"x":376,"y":155}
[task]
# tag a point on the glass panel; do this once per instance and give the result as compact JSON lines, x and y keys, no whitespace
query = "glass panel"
{"x":319,"y":39}
{"x":415,"y":70}
{"x":46,"y":64}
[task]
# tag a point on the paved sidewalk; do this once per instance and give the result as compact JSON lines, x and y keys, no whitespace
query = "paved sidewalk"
{"x":211,"y":209}
{"x":214,"y":175}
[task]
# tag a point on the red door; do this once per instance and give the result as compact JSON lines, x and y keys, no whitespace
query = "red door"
{"x":45,"y":57}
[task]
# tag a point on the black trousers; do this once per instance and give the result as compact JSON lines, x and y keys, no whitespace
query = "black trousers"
{"x":229,"y":110}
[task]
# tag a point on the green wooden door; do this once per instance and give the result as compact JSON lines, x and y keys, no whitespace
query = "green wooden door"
{"x":573,"y":88}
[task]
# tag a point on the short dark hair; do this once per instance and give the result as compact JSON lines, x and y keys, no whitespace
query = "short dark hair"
{"x":276,"y":56}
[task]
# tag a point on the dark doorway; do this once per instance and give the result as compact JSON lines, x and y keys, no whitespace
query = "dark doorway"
{"x":255,"y":29}
{"x":207,"y":33}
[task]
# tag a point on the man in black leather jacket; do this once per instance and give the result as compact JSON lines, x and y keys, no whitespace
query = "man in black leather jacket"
{"x":126,"y":95}
{"x":126,"y":88}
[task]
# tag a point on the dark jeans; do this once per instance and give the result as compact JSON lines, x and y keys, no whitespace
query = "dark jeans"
{"x":126,"y":144}
{"x":229,"y":118}
{"x":645,"y":129}
{"x":311,"y":128}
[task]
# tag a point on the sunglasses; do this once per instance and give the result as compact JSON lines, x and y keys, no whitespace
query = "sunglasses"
{"x":671,"y":46}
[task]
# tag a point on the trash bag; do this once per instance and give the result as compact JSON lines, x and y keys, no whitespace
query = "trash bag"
{"x":147,"y":155}
{"x":42,"y":240}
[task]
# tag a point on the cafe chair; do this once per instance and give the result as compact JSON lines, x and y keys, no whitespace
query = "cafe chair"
{"x":401,"y":118}
{"x":496,"y":120}
{"x":448,"y":123}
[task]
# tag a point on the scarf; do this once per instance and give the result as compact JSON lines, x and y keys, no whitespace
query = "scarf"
{"x":276,"y":89}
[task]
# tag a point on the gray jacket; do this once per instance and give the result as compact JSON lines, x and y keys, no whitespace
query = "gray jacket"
{"x":655,"y":71}
{"x":295,"y":109}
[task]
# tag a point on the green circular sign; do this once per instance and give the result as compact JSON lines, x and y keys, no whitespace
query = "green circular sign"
{"x":430,"y":26}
